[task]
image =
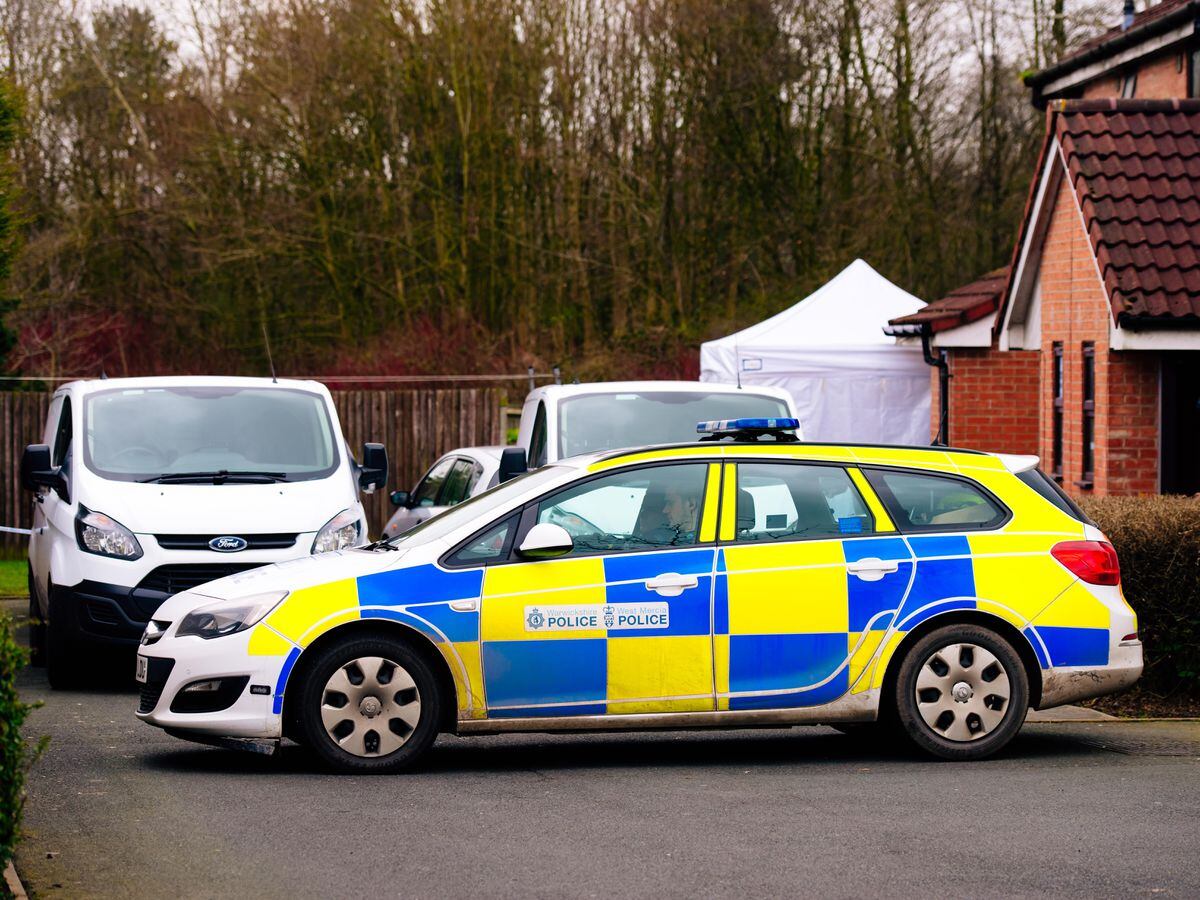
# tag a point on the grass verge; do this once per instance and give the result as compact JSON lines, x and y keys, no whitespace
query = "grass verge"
{"x":13,"y":581}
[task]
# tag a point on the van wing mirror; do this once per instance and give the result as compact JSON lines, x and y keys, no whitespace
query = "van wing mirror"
{"x":372,"y":473}
{"x":545,"y":541}
{"x":37,"y":471}
{"x":512,"y":463}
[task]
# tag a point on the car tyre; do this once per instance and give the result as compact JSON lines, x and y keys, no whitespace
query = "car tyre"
{"x":369,"y":705}
{"x":961,"y":693}
{"x":63,"y":667}
{"x":37,"y":626}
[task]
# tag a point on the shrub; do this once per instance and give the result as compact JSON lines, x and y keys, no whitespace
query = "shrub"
{"x":1158,"y":542}
{"x":14,"y":756}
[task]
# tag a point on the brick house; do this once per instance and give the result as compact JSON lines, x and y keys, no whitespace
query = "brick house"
{"x":1086,"y":349}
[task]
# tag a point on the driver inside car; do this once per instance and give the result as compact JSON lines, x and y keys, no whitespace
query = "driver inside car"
{"x":680,"y":519}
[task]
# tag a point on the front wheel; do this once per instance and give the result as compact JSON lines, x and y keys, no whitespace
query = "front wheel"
{"x":37,"y":626}
{"x":64,"y":663}
{"x":961,"y":693}
{"x":369,"y":705}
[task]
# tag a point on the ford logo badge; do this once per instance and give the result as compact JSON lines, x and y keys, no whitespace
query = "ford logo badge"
{"x":228,"y":544}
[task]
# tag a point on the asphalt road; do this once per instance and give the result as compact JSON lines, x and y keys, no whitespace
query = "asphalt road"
{"x":117,"y":808}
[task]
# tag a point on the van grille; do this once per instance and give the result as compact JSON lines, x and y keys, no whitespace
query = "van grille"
{"x":175,"y":578}
{"x":200,"y":541}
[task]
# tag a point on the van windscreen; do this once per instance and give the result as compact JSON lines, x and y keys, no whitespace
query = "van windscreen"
{"x":595,"y":422}
{"x":171,"y":433}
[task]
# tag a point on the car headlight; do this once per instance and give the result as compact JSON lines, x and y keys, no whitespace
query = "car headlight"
{"x":228,"y":616}
{"x":340,"y":532}
{"x":105,"y":536}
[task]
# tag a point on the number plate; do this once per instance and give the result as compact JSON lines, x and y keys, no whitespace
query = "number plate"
{"x":143,"y":667}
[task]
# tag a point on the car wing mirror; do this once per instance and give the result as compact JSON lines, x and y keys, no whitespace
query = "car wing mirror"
{"x":512,"y":463}
{"x":372,"y":473}
{"x":37,"y":471}
{"x":545,"y":541}
{"x":400,"y":498}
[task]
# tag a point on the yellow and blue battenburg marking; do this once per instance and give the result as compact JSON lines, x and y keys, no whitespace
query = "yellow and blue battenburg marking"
{"x":658,"y":662}
{"x":750,"y":625}
{"x":418,"y":597}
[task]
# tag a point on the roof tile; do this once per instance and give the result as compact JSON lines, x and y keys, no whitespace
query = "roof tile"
{"x":1135,"y":166}
{"x":962,"y":305}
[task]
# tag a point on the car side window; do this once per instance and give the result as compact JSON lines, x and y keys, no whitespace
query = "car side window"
{"x":427,"y":491}
{"x":643,"y":509}
{"x":457,"y":484}
{"x":62,"y":436}
{"x":491,"y":545}
{"x":537,"y":439}
{"x":780,"y":502}
{"x":926,"y":502}
{"x":473,"y":478}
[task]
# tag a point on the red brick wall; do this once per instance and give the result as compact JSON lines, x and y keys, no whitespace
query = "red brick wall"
{"x":1159,"y":77}
{"x":1075,"y":310}
{"x":993,"y":400}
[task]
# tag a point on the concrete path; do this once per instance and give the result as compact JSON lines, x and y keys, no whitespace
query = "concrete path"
{"x":1075,"y":809}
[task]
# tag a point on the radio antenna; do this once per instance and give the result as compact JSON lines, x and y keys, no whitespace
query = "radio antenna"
{"x":737,"y":361}
{"x":267,"y":344}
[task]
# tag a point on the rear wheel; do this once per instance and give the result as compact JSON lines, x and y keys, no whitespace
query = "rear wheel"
{"x":369,"y":705}
{"x":961,"y":693}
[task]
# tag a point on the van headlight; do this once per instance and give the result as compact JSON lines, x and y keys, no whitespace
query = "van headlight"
{"x":340,"y":532}
{"x":228,"y":616}
{"x":104,"y":535}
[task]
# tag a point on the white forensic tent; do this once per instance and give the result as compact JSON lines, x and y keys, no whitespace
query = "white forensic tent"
{"x":850,"y":381}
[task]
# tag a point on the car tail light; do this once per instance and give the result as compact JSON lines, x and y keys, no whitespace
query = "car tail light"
{"x":1092,"y":561}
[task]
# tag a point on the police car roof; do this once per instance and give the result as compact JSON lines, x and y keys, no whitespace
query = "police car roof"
{"x":751,"y":441}
{"x":869,"y":453}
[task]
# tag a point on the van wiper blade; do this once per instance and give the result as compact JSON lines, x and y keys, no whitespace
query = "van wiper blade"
{"x":381,"y":544}
{"x":224,"y":476}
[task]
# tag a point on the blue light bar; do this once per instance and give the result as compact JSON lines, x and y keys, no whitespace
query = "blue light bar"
{"x":729,"y":426}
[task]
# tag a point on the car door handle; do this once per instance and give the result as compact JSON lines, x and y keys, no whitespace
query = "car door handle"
{"x":872,"y":568}
{"x":671,"y":584}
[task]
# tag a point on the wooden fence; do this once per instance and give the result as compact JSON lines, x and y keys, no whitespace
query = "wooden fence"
{"x":416,"y":426}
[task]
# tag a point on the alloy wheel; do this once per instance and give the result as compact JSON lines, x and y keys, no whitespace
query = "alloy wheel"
{"x":962,"y":692}
{"x":370,"y":706}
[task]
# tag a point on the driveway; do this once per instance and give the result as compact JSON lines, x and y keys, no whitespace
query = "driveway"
{"x":117,"y":808}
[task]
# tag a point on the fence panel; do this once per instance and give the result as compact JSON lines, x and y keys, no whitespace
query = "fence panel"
{"x":416,"y":426}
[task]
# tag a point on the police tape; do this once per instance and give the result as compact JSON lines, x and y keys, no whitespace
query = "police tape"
{"x":10,"y":530}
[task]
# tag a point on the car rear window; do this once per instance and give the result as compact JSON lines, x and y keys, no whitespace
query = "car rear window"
{"x":1049,"y":489}
{"x":920,"y":501}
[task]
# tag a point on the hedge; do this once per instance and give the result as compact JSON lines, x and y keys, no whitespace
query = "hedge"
{"x":1158,"y":542}
{"x":14,"y":755}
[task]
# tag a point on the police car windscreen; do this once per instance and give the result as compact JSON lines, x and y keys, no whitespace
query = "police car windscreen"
{"x":143,"y":433}
{"x":594,"y":422}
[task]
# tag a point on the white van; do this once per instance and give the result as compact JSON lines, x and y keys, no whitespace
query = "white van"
{"x":564,"y":420}
{"x":146,"y":487}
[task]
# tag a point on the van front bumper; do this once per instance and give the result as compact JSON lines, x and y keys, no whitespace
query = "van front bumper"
{"x":113,"y":606}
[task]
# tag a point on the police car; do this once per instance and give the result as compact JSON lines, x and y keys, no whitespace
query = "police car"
{"x":747,"y":579}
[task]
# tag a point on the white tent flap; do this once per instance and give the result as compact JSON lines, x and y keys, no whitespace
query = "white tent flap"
{"x":850,"y":381}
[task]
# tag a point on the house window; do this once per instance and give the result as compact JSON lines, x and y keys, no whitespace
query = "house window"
{"x":1194,"y":74}
{"x":1129,"y":85}
{"x":1057,"y":405}
{"x":1089,"y":414}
